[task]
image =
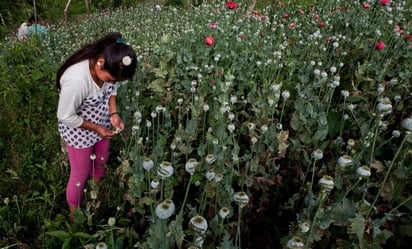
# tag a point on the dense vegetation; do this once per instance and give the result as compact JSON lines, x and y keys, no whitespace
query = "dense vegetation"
{"x":284,"y":126}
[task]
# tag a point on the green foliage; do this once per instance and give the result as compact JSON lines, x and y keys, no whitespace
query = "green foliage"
{"x":29,"y":103}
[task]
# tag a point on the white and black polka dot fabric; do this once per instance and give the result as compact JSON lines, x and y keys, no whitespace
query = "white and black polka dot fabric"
{"x":95,"y":110}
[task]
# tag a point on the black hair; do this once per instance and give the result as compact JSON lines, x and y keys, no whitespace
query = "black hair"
{"x":113,"y":49}
{"x":34,"y":19}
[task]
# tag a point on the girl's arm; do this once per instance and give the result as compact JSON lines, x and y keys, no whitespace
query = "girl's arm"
{"x":115,"y":118}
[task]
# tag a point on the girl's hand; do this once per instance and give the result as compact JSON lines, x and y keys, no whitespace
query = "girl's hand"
{"x":100,"y":130}
{"x":117,"y":122}
{"x":105,"y":132}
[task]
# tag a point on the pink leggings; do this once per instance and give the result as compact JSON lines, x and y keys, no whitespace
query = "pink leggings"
{"x":82,"y":167}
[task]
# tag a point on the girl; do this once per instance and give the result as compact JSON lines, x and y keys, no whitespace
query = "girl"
{"x":87,"y":108}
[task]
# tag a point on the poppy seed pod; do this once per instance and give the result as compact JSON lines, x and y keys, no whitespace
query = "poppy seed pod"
{"x":241,"y":198}
{"x":326,"y":183}
{"x":198,"y":224}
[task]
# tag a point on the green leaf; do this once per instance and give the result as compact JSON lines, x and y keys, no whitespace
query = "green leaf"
{"x":357,"y":227}
{"x":66,"y":244}
{"x":83,"y":235}
{"x":37,"y":74}
{"x":157,"y":85}
{"x":177,"y":228}
{"x":381,"y":237}
{"x":334,"y":123}
{"x":320,"y":135}
{"x":161,"y":73}
{"x":295,"y":122}
{"x":227,"y":242}
{"x":62,"y":235}
{"x":343,"y":211}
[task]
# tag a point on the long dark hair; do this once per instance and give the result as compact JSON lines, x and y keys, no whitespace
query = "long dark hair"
{"x":113,"y":49}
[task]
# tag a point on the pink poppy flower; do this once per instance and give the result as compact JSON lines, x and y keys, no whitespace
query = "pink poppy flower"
{"x":385,"y":2}
{"x":398,"y":29}
{"x":209,"y":40}
{"x":231,"y":5}
{"x":380,"y":45}
{"x":212,"y":25}
{"x":366,"y":6}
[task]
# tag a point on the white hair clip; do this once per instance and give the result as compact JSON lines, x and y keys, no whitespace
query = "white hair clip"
{"x":127,"y":60}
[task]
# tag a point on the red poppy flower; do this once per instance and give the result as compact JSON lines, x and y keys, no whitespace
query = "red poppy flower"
{"x":366,"y":6}
{"x":209,"y":40}
{"x":380,"y":45}
{"x":385,"y":2}
{"x":231,"y":5}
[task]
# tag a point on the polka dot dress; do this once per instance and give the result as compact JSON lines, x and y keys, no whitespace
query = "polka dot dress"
{"x":95,"y":110}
